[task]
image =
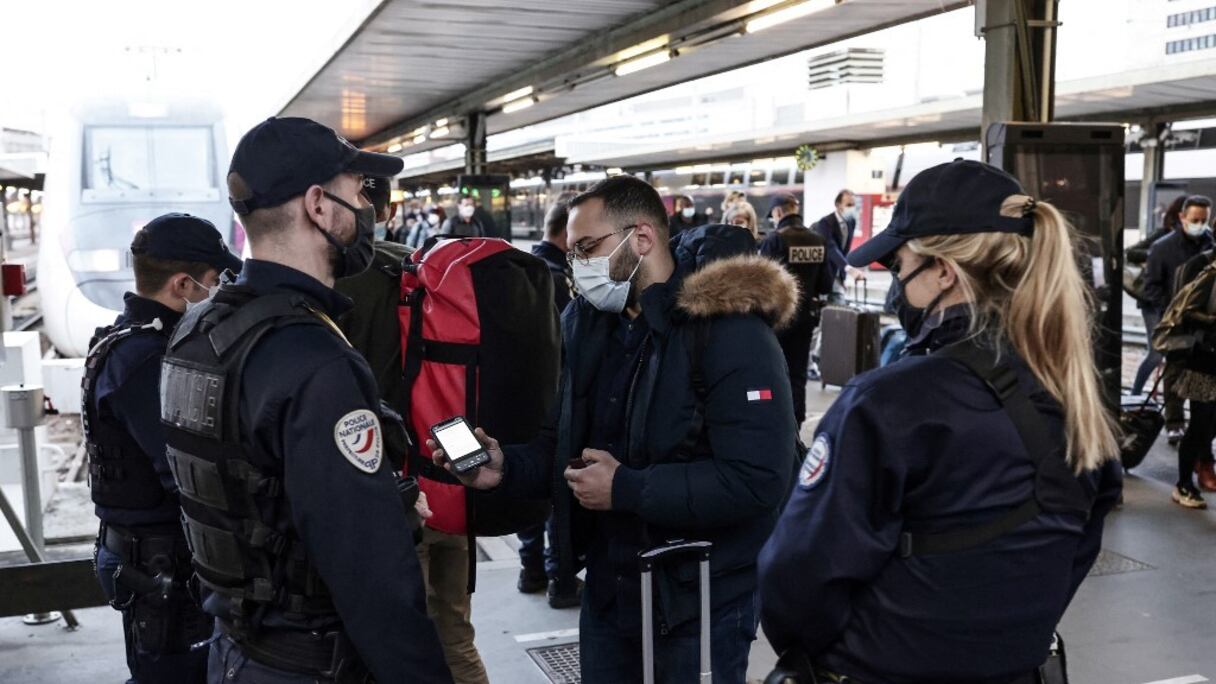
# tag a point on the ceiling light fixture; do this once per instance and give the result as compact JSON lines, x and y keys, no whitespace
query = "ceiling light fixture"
{"x":636,"y":65}
{"x":790,"y":13}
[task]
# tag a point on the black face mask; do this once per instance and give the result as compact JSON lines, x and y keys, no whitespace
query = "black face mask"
{"x":353,"y":259}
{"x":912,"y":318}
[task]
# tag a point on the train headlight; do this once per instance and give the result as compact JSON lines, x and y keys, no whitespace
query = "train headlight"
{"x":95,"y":260}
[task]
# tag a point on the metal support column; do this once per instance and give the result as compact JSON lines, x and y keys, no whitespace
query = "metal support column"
{"x":1152,"y":144}
{"x":1019,"y":60}
{"x":475,"y":144}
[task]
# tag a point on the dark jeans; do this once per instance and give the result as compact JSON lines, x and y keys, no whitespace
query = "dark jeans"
{"x":796,"y":345}
{"x":1153,"y":358}
{"x":228,"y":664}
{"x":1196,"y":444}
{"x":534,"y":554}
{"x":158,"y":637}
{"x":609,"y":655}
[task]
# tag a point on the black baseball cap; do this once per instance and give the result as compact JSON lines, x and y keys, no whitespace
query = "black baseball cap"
{"x":956,"y":198}
{"x":182,"y":237}
{"x":282,"y":157}
{"x":781,"y":200}
{"x":379,"y":191}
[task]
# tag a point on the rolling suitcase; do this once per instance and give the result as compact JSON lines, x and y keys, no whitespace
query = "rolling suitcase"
{"x":648,"y":560}
{"x":850,"y":340}
{"x":1140,"y":423}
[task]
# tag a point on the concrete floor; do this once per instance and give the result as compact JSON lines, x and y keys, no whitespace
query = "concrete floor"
{"x":1149,"y":618}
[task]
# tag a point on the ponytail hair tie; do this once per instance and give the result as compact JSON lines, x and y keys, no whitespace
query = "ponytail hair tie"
{"x":1028,"y":207}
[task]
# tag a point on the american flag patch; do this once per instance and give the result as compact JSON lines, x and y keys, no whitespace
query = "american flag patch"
{"x":760,"y":395}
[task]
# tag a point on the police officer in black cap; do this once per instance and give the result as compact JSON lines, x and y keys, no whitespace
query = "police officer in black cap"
{"x":803,"y":253}
{"x":142,"y":561}
{"x":952,"y":502}
{"x":297,"y":531}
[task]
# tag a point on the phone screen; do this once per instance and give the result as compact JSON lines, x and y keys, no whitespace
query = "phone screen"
{"x":457,"y":440}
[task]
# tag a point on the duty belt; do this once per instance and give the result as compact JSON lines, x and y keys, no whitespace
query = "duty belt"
{"x":136,"y":545}
{"x":329,"y":656}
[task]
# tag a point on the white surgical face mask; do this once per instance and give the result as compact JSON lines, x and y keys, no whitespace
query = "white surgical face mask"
{"x":210,"y":293}
{"x":595,"y":283}
{"x":688,"y":212}
{"x":433,"y":219}
{"x":466,"y":211}
{"x":1195,"y":229}
{"x":850,"y":212}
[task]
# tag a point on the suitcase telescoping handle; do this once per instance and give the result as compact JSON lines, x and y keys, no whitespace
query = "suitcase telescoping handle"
{"x":648,"y":560}
{"x":859,"y":294}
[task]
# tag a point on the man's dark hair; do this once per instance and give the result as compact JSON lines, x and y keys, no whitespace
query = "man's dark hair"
{"x":1171,"y":219}
{"x":151,"y":274}
{"x":1196,"y":201}
{"x":840,"y":195}
{"x":628,"y":200}
{"x":558,"y":215}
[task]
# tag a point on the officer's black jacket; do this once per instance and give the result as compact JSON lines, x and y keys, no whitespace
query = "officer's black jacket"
{"x":923,"y":444}
{"x":728,"y":495}
{"x":1164,"y":258}
{"x":298,"y":382}
{"x":128,"y":394}
{"x":774,"y":247}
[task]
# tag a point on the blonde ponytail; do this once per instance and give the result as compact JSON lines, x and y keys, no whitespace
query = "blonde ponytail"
{"x":1032,"y":290}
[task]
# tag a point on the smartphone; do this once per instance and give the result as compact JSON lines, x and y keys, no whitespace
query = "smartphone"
{"x":461,"y":446}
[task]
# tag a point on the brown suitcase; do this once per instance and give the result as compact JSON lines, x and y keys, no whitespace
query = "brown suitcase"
{"x":849,"y":341}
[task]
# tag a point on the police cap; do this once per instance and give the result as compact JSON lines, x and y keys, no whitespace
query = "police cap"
{"x":282,"y":157}
{"x":379,"y":191}
{"x":956,"y":198}
{"x":182,"y":237}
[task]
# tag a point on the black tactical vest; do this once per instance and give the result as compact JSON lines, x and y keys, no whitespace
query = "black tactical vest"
{"x":805,"y":257}
{"x":240,"y":536}
{"x":120,"y":473}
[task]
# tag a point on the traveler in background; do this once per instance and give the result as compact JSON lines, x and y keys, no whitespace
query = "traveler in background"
{"x":901,"y":556}
{"x":838,"y":228}
{"x":743,"y":215}
{"x":803,"y":253}
{"x":1191,"y":237}
{"x":616,"y":457}
{"x":731,"y":198}
{"x":1138,"y":253}
{"x":466,"y":223}
{"x":539,"y":561}
{"x":684,"y":215}
{"x":1192,"y":376}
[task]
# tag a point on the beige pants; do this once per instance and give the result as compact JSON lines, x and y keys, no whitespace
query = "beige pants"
{"x":445,"y":570}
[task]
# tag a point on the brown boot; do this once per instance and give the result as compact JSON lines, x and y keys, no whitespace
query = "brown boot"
{"x":1207,"y":476}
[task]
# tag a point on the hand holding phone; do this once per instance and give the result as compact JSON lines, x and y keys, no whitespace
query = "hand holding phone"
{"x":464,"y":451}
{"x":487,"y":476}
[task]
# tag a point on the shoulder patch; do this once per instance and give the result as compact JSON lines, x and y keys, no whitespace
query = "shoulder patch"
{"x":358,"y":437}
{"x":815,"y":465}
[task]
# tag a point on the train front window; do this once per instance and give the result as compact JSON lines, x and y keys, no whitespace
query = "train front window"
{"x":138,"y":162}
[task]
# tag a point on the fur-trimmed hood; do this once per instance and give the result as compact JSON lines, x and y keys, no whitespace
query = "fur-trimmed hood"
{"x":743,"y":284}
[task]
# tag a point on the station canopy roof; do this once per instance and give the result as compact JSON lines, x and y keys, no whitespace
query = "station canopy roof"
{"x":408,"y":77}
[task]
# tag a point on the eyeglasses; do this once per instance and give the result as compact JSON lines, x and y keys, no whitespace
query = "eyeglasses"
{"x":583,"y":248}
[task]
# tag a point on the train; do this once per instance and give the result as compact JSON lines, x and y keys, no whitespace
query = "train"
{"x":113,"y":165}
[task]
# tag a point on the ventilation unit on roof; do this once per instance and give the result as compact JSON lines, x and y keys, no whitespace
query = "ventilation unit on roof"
{"x":853,"y":65}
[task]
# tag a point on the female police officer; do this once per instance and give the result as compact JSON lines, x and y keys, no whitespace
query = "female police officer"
{"x":952,"y":502}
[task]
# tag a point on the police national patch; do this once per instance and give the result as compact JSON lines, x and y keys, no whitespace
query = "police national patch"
{"x":815,"y":466}
{"x":357,"y":435}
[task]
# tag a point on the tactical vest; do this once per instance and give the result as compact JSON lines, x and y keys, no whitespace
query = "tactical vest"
{"x":233,"y":506}
{"x":120,"y":473}
{"x":805,"y":256}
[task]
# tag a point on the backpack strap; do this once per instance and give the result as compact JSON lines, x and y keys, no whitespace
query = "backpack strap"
{"x":1002,"y":379}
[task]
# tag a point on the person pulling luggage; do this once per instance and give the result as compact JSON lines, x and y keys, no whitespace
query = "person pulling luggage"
{"x":952,"y":502}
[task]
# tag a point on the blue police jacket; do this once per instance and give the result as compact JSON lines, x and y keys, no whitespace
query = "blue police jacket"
{"x":298,"y":384}
{"x":924,"y":444}
{"x":128,"y":392}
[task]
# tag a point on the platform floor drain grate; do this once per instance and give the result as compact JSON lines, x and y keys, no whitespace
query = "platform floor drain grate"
{"x":559,"y":663}
{"x":1111,"y":563}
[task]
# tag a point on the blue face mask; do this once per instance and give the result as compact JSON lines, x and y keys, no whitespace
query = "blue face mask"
{"x":210,"y":293}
